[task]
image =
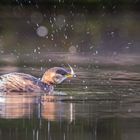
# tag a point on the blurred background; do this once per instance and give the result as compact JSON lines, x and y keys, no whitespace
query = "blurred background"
{"x":43,"y":32}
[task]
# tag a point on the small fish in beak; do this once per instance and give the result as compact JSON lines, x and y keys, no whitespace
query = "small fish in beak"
{"x":72,"y":73}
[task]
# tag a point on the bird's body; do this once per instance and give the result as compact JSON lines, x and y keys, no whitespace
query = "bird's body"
{"x":20,"y":82}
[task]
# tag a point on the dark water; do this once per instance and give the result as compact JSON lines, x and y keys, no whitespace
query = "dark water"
{"x":102,"y":103}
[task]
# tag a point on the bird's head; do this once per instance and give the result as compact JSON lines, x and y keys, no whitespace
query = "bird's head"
{"x":57,"y":75}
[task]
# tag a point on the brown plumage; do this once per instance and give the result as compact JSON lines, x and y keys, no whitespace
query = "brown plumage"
{"x":20,"y":82}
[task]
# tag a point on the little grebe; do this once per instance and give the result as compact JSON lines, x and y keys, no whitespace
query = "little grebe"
{"x":20,"y":82}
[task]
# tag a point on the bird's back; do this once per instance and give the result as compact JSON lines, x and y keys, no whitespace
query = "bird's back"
{"x":20,"y":82}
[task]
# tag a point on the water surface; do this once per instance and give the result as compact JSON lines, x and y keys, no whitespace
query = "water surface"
{"x":101,"y":103}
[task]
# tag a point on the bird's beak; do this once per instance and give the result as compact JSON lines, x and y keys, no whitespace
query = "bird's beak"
{"x":72,"y":73}
{"x":69,"y":75}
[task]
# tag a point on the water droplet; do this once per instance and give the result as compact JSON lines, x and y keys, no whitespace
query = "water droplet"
{"x":54,"y":19}
{"x":127,"y":47}
{"x":86,"y":87}
{"x":91,"y":47}
{"x":112,"y":33}
{"x":28,"y":22}
{"x":66,"y":37}
{"x":129,"y":110}
{"x":42,"y":31}
{"x":114,"y":53}
{"x":129,"y":43}
{"x":1,"y":51}
{"x":83,"y":81}
{"x":41,"y":68}
{"x":96,"y":52}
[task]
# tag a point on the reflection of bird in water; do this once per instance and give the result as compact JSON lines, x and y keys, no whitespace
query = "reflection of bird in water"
{"x":13,"y":106}
{"x":20,"y":82}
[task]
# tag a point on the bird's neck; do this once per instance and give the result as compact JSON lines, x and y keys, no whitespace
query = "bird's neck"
{"x":47,"y":82}
{"x":47,"y":79}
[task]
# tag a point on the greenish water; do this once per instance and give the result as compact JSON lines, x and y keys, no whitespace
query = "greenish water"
{"x":102,"y":103}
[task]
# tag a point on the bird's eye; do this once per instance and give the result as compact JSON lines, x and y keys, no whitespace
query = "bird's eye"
{"x":61,"y":72}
